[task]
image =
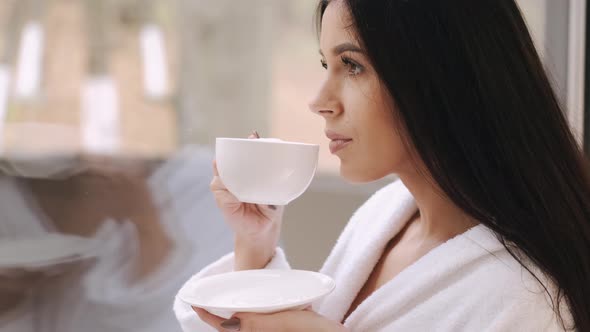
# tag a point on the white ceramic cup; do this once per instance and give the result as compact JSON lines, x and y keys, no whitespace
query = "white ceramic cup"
{"x":265,"y":171}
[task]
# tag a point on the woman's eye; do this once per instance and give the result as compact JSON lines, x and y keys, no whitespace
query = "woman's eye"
{"x":324,"y":64}
{"x":353,"y":67}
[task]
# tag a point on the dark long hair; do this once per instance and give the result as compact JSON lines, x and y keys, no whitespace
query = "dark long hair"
{"x":479,"y":111}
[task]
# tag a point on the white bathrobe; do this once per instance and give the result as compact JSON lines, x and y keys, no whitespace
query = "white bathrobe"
{"x":470,"y":283}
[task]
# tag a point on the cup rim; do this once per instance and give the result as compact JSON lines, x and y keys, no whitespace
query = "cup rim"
{"x":264,"y":141}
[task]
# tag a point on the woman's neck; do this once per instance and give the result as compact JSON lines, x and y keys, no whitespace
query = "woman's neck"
{"x":439,"y":218}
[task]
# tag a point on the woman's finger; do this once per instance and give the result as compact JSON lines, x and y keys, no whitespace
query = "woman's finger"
{"x":254,"y":135}
{"x":210,"y":319}
{"x":222,"y":195}
{"x":216,"y":184}
{"x":215,"y":171}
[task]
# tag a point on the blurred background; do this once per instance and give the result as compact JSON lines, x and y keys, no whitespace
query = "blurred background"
{"x":108,"y":114}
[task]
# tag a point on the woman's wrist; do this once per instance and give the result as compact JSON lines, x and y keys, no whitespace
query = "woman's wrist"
{"x":253,"y":253}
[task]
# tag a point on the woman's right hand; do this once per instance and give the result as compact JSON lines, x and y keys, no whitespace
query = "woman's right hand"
{"x":256,"y":227}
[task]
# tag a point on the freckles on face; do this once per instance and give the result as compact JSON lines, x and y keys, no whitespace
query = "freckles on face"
{"x":355,"y":105}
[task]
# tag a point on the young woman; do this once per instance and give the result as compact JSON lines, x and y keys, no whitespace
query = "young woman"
{"x":488,"y":228}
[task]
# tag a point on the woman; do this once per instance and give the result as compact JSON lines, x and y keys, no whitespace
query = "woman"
{"x":488,"y":228}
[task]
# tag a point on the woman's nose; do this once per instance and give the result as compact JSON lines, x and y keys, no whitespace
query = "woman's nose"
{"x":325,"y":103}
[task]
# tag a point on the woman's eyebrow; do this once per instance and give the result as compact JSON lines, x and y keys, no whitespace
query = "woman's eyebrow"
{"x":344,"y":47}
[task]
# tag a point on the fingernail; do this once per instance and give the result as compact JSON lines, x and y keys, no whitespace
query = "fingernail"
{"x":272,"y":207}
{"x":232,"y":324}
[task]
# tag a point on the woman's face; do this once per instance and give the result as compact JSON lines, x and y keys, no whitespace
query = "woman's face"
{"x":355,"y":105}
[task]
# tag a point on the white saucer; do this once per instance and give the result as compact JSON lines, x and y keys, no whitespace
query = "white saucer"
{"x":257,"y":291}
{"x":44,"y":250}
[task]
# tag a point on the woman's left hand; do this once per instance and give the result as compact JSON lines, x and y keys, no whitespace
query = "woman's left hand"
{"x":286,"y":321}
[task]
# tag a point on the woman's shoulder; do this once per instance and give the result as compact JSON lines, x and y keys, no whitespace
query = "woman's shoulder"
{"x":525,"y":301}
{"x":522,"y":293}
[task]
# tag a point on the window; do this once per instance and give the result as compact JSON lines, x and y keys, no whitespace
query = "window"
{"x":559,"y":29}
{"x":87,"y":75}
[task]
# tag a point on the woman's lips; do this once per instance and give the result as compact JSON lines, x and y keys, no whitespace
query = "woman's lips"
{"x":337,"y":141}
{"x":339,"y":144}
